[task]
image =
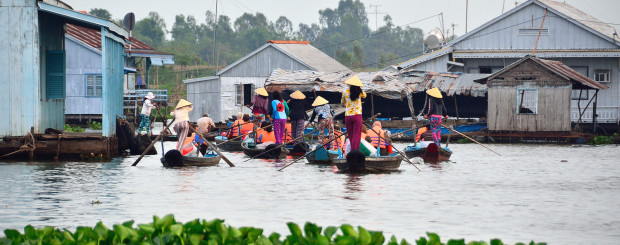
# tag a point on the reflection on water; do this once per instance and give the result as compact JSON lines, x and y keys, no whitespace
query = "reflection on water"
{"x":527,"y":193}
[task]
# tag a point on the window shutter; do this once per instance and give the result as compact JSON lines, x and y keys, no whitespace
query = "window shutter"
{"x":55,"y":74}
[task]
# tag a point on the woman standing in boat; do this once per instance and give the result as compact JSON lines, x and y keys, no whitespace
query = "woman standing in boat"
{"x":352,"y":100}
{"x":297,"y":106}
{"x":436,"y":112}
{"x":145,"y":114}
{"x":181,"y":117}
{"x":260,"y":103}
{"x":324,"y":114}
{"x":279,"y":115}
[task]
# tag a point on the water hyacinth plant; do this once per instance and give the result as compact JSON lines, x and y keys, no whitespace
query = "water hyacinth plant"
{"x":166,"y":230}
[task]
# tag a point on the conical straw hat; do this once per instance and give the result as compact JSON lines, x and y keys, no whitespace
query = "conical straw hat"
{"x":355,"y":81}
{"x":261,"y":91}
{"x":319,"y":101}
{"x":183,"y":103}
{"x":434,"y":92}
{"x":298,"y":95}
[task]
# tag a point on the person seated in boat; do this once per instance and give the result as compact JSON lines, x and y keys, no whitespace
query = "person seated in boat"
{"x":200,"y":144}
{"x":339,"y":141}
{"x":424,"y":136}
{"x":324,"y":115}
{"x":246,"y":125}
{"x":265,"y":136}
{"x":380,"y":138}
{"x":236,"y":129}
{"x":188,"y":142}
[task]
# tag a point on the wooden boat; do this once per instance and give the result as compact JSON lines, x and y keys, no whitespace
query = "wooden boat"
{"x":297,"y":150}
{"x":372,"y":164}
{"x":209,"y":160}
{"x":258,"y":153}
{"x":430,"y":153}
{"x":233,"y":145}
{"x":321,"y":156}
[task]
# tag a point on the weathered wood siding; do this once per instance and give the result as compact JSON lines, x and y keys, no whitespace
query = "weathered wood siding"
{"x":81,"y":61}
{"x":263,"y":63}
{"x":206,"y":97}
{"x":112,"y":60}
{"x":51,"y":37}
{"x":19,"y":68}
{"x":553,"y":107}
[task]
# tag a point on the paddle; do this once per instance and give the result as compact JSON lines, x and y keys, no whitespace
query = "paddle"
{"x":399,"y":152}
{"x":152,"y":143}
{"x":335,"y":138}
{"x":403,"y":132}
{"x":212,"y":147}
{"x":473,"y":140}
{"x":280,"y":146}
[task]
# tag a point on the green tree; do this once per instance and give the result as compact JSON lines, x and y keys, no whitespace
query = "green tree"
{"x":101,"y":13}
{"x":151,"y":30}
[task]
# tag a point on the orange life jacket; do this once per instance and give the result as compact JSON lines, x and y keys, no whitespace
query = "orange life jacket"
{"x":247,"y":128}
{"x":188,"y":145}
{"x":376,"y":140}
{"x":235,"y":130}
{"x":265,"y":136}
{"x":339,"y":142}
{"x":419,"y":134}
{"x":288,"y":136}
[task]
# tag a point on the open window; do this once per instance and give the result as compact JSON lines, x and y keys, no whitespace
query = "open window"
{"x":527,"y":101}
{"x":244,"y":94}
{"x":602,"y":76}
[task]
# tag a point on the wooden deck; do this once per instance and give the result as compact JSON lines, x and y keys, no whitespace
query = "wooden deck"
{"x":60,"y":146}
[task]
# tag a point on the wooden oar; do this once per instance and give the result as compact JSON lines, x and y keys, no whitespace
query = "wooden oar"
{"x":212,"y":147}
{"x":280,"y":146}
{"x":403,"y":132}
{"x":323,"y":145}
{"x":473,"y":140}
{"x":151,"y":145}
{"x":399,"y":152}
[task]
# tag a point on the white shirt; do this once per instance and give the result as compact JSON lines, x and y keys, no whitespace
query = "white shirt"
{"x":147,"y":106}
{"x":181,"y":114}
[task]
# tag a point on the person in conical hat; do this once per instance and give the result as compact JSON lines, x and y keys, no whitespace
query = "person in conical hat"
{"x":181,"y":116}
{"x":324,"y":114}
{"x":297,"y":115}
{"x":436,"y":111}
{"x":352,"y":101}
{"x":145,"y":114}
{"x":260,"y":103}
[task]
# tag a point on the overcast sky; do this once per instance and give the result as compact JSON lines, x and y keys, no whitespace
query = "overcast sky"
{"x":403,"y":12}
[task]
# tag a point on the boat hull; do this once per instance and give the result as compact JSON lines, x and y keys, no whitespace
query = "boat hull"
{"x":372,"y":164}
{"x":196,"y":161}
{"x":233,"y":145}
{"x":321,"y":157}
{"x":258,"y":153}
{"x":431,"y":153}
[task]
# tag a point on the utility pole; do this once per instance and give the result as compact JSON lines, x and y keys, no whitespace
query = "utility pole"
{"x":376,"y":13}
{"x":466,"y":10}
{"x":215,"y":37}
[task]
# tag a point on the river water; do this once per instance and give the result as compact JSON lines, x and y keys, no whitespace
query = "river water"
{"x":546,"y":193}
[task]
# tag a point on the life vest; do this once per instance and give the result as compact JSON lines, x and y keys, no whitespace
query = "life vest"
{"x":235,"y":129}
{"x":265,"y":136}
{"x":339,"y":143}
{"x":419,"y":134}
{"x":288,"y":135}
{"x":247,"y":128}
{"x":376,"y":140}
{"x":188,"y":145}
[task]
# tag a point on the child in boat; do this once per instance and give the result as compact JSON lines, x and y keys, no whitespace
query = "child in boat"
{"x":266,"y":136}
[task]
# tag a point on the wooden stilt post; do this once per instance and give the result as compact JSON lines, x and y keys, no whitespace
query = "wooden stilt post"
{"x":594,"y":116}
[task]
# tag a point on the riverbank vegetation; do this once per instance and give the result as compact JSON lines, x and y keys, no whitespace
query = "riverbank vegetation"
{"x":166,"y":230}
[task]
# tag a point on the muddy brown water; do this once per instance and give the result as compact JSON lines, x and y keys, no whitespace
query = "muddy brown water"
{"x":557,"y":194}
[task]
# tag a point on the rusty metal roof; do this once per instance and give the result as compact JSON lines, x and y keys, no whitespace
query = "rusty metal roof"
{"x":92,"y":38}
{"x":387,"y":84}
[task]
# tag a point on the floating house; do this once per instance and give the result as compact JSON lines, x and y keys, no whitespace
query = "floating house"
{"x":33,"y":67}
{"x":549,"y":30}
{"x":534,"y":95}
{"x":84,"y":76}
{"x":227,"y":93}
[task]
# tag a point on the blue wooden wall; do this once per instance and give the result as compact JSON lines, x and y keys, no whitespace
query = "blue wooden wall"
{"x":112,"y":52}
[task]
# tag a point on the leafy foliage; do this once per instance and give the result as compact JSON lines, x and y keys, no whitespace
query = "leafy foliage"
{"x":603,"y":140}
{"x":74,"y":129}
{"x":166,"y":230}
{"x":95,"y":125}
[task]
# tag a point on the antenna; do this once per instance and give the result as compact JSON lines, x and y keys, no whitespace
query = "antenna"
{"x":376,"y":13}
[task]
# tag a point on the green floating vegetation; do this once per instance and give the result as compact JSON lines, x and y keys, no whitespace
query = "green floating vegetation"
{"x":463,"y":141}
{"x":604,"y":140}
{"x":95,"y":125}
{"x":73,"y":129}
{"x":166,"y":230}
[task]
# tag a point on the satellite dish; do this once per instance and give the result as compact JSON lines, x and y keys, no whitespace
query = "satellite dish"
{"x":434,"y":40}
{"x":129,"y":21}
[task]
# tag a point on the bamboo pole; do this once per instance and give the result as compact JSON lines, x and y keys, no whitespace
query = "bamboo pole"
{"x":212,"y":147}
{"x":472,"y":140}
{"x":150,"y":146}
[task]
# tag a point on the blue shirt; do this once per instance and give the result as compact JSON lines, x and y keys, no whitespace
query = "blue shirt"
{"x":280,"y":112}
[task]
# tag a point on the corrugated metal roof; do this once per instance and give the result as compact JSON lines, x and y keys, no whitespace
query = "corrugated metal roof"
{"x":92,"y":38}
{"x":387,"y":84}
{"x":581,"y":17}
{"x":425,"y":57}
{"x":312,"y":56}
{"x":556,"y":67}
